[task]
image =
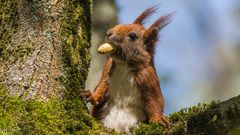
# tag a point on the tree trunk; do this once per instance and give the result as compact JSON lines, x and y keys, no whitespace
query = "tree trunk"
{"x":44,"y":47}
{"x":44,"y":59}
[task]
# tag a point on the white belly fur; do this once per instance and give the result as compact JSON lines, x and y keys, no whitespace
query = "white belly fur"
{"x":125,"y":105}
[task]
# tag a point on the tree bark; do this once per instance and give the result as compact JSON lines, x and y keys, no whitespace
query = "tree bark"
{"x":44,"y":59}
{"x":44,"y":47}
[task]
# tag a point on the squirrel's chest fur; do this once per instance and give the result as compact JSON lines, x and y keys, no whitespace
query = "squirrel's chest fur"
{"x":125,"y":107}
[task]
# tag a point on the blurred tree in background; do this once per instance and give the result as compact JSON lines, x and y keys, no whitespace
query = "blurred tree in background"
{"x":222,"y":65}
{"x":104,"y":17}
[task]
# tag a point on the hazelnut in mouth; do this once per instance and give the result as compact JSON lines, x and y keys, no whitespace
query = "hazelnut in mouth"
{"x":106,"y":48}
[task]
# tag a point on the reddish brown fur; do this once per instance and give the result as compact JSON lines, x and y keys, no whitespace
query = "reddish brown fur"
{"x":103,"y":84}
{"x":152,"y":33}
{"x":147,"y":81}
{"x":138,"y":54}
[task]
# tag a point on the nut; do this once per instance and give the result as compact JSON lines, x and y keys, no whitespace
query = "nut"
{"x":106,"y":48}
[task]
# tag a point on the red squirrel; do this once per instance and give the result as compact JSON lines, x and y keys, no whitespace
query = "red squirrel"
{"x":129,"y":91}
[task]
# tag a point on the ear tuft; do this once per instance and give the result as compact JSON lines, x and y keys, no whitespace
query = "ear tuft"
{"x":151,"y":35}
{"x":145,"y":15}
{"x":152,"y":31}
{"x":161,"y":22}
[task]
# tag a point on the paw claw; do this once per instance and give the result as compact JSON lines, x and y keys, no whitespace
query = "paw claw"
{"x":85,"y":93}
{"x":88,"y":96}
{"x":163,"y":120}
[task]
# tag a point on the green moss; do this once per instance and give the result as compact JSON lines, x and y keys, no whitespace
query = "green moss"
{"x":216,"y":118}
{"x":148,"y":129}
{"x":75,"y":27}
{"x":183,"y":120}
{"x":8,"y":23}
{"x":179,"y":122}
{"x":55,"y":116}
{"x":234,"y":131}
{"x":52,"y":117}
{"x":8,"y":26}
{"x":12,"y":55}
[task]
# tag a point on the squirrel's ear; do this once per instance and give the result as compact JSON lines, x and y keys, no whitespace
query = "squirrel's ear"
{"x":151,"y":34}
{"x":145,"y":15}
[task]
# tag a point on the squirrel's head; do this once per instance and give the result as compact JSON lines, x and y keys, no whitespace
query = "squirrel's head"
{"x":135,"y":39}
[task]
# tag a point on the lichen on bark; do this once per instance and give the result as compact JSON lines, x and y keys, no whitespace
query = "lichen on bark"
{"x":30,"y":60}
{"x":8,"y":24}
{"x":44,"y":47}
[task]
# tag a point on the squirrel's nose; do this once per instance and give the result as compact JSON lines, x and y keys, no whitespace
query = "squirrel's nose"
{"x":112,"y":36}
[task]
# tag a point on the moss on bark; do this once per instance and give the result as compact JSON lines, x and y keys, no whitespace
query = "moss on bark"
{"x":69,"y":117}
{"x":76,"y":35}
{"x":8,"y":24}
{"x":64,"y":115}
{"x":217,"y":118}
{"x":38,"y":117}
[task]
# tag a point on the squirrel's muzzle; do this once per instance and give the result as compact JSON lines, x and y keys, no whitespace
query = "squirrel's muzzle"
{"x":106,"y":48}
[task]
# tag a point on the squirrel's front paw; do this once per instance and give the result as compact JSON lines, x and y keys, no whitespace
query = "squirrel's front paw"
{"x":88,"y":95}
{"x":163,"y":120}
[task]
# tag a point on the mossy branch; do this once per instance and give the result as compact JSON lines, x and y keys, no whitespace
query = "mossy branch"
{"x":216,"y":118}
{"x":70,"y":117}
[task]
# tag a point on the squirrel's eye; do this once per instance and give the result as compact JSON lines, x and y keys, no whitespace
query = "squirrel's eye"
{"x":132,"y":36}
